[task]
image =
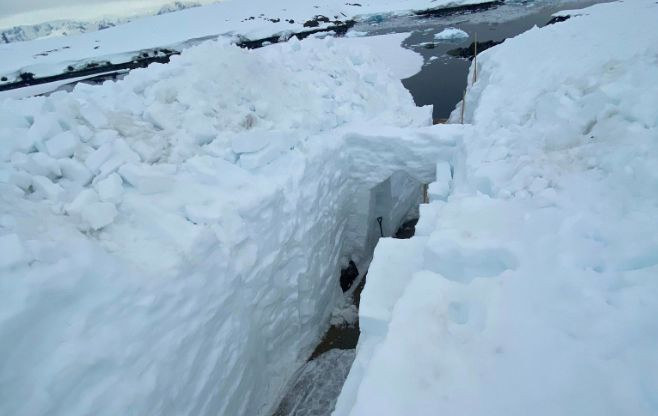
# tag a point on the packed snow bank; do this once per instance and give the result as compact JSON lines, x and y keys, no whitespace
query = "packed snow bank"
{"x":171,"y":243}
{"x":531,"y":288}
{"x":253,"y":19}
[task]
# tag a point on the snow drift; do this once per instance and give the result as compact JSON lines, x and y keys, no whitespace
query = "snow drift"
{"x":530,"y":287}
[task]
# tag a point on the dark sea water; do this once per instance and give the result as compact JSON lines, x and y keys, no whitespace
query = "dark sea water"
{"x":442,"y":80}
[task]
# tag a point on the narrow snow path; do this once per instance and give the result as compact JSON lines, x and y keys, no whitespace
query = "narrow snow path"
{"x":317,"y":384}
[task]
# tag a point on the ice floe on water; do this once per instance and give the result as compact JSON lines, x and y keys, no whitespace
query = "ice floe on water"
{"x":451,"y":33}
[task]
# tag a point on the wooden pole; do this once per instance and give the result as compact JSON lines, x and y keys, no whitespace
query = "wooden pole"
{"x":475,"y":60}
{"x":463,"y":105}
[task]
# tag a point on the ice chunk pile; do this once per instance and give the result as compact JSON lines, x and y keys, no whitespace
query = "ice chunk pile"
{"x":82,"y":150}
{"x":171,"y":243}
{"x":531,"y":284}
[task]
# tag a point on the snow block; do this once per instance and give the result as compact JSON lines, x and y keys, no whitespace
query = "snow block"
{"x":93,"y":115}
{"x":440,"y":188}
{"x":62,"y":145}
{"x":12,"y":252}
{"x":110,"y":189}
{"x":37,"y":164}
{"x":393,"y":263}
{"x":20,"y":179}
{"x":44,"y":127}
{"x":145,"y":179}
{"x":85,"y":197}
{"x":10,"y":119}
{"x":98,"y":214}
{"x":250,"y":142}
{"x":75,"y":171}
{"x":256,"y":149}
{"x":96,"y":159}
{"x":45,"y":188}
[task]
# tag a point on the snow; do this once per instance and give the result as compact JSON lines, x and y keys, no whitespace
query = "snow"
{"x":344,"y":314}
{"x":317,"y":385}
{"x":61,"y":145}
{"x":254,"y":19}
{"x":13,"y":252}
{"x":173,"y":262}
{"x":45,"y":188}
{"x":111,"y":188}
{"x":98,"y":214}
{"x":450,"y":33}
{"x":75,"y":171}
{"x":440,"y":188}
{"x":530,"y":288}
{"x":85,"y":197}
{"x":150,"y":270}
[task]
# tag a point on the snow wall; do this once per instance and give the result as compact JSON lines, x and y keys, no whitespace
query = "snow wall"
{"x":530,"y":286}
{"x":171,"y":243}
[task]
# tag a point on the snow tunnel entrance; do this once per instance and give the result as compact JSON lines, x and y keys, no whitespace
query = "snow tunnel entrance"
{"x":391,"y":211}
{"x":387,"y":206}
{"x":391,"y":203}
{"x":374,"y":186}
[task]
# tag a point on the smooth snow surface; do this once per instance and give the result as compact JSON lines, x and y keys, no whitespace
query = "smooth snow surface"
{"x":531,"y":285}
{"x":251,"y":19}
{"x":171,"y":243}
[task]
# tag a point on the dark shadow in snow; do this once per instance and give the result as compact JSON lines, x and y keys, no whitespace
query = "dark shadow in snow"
{"x":318,"y":383}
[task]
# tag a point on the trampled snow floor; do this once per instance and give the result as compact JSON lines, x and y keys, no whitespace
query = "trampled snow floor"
{"x":532,"y":289}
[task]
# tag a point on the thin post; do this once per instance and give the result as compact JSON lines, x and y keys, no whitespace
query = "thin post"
{"x":463,"y":105}
{"x":426,"y":198}
{"x":475,"y":60}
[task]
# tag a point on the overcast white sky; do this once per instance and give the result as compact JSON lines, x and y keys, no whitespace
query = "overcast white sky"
{"x":9,"y":7}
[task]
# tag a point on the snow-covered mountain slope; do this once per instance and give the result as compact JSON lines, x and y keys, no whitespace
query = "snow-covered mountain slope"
{"x":22,"y":33}
{"x":531,"y":287}
{"x":171,"y":243}
{"x":252,"y":19}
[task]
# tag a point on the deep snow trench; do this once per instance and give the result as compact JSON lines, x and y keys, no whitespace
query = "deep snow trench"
{"x":170,"y":252}
{"x":317,"y":383}
{"x":191,"y":244}
{"x":389,"y":177}
{"x":316,"y":386}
